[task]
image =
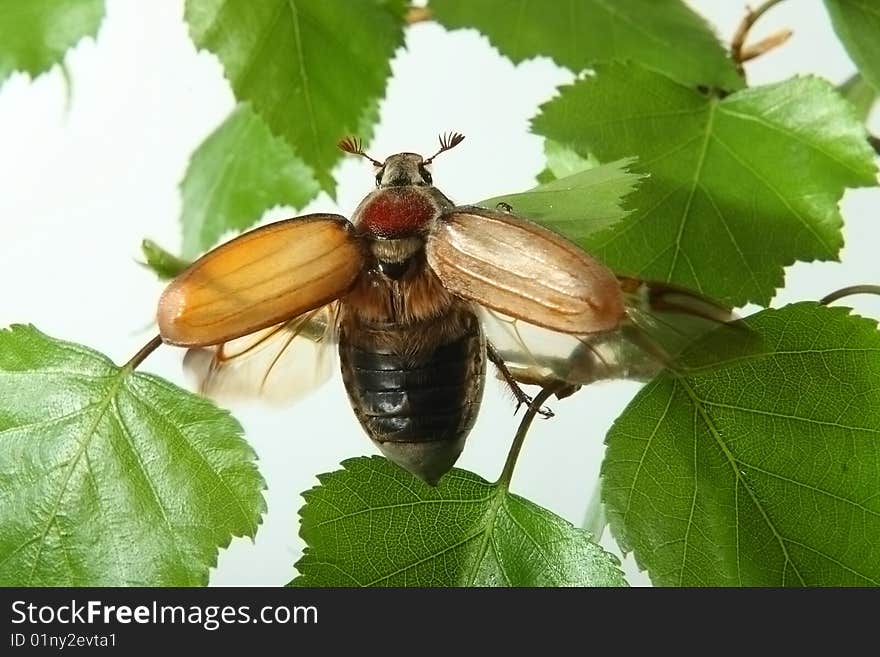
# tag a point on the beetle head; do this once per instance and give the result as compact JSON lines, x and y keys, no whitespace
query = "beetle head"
{"x":402,"y":169}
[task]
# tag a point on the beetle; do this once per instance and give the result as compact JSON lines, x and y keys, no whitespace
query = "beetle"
{"x":417,"y":294}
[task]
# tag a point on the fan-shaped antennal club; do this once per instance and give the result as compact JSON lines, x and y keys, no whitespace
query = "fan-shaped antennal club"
{"x":353,"y":145}
{"x":448,"y":141}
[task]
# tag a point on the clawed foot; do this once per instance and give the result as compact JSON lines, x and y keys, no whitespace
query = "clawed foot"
{"x":522,"y":399}
{"x":526,"y":401}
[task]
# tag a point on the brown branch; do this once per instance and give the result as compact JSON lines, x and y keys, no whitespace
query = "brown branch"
{"x":418,"y":14}
{"x":737,"y":44}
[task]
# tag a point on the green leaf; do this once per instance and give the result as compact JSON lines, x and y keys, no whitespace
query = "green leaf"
{"x":738,"y":187}
{"x":762,"y":472}
{"x":545,"y":176}
{"x":35,"y":34}
{"x":857,"y":23}
{"x":240,"y":171}
{"x":861,"y":95}
{"x":113,"y":478}
{"x":563,"y":161}
{"x":663,"y":34}
{"x":309,"y":68}
{"x":578,"y":205}
{"x":162,"y":263}
{"x":373,"y":524}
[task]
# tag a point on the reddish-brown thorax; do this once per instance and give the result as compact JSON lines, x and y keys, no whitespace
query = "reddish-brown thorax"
{"x":396,"y":212}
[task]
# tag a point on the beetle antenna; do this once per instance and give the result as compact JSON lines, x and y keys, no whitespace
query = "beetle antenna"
{"x":448,"y":141}
{"x":353,"y":145}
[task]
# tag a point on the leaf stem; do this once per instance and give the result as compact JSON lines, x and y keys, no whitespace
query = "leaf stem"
{"x":849,"y":291}
{"x":737,"y":44}
{"x":145,"y":351}
{"x":68,"y":87}
{"x":523,"y":430}
{"x":594,"y":518}
{"x":418,"y":15}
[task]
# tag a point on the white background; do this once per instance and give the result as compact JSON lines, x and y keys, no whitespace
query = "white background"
{"x":85,"y":178}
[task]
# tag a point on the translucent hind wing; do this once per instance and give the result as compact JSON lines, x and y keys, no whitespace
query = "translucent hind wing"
{"x":664,"y":327}
{"x":278,"y":364}
{"x":681,"y":328}
{"x":539,"y":356}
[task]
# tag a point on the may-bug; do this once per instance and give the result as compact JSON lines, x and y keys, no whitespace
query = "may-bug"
{"x":417,"y":293}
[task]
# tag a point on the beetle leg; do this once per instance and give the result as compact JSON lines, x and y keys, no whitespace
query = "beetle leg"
{"x":522,"y":399}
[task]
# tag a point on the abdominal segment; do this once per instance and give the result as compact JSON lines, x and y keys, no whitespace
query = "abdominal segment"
{"x":418,"y":407}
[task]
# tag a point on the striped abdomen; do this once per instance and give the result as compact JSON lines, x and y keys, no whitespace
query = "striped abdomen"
{"x":417,"y":399}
